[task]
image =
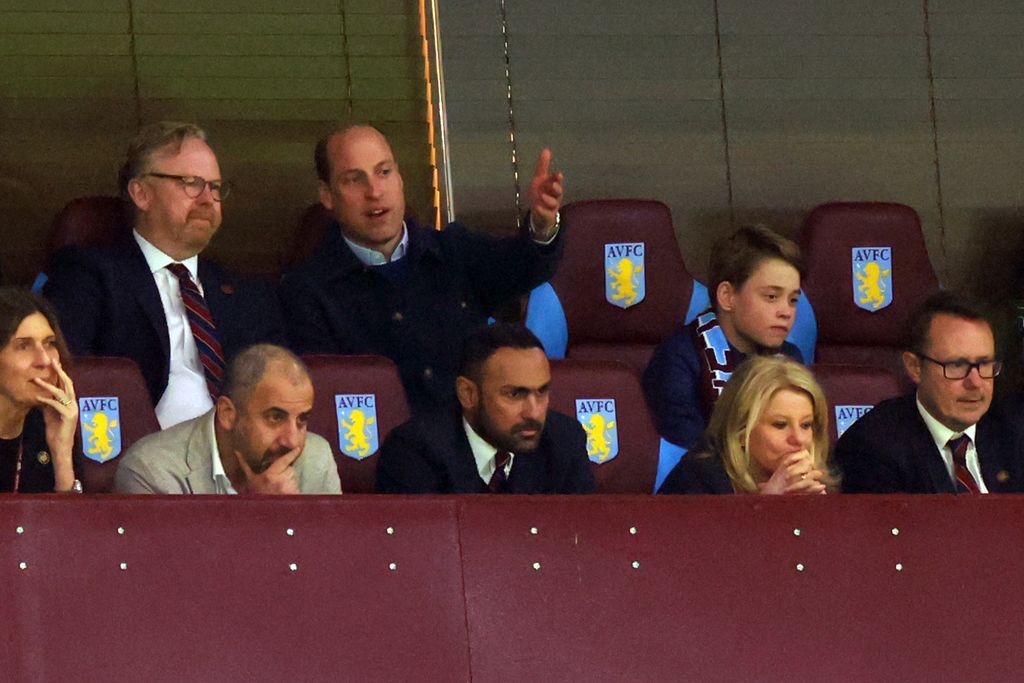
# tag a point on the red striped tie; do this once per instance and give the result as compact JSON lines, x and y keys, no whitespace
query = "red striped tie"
{"x":498,"y":481}
{"x":203,"y":329}
{"x":965,"y":482}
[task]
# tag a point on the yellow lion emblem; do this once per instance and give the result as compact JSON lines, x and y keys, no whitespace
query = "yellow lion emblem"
{"x":356,"y":438}
{"x":624,"y":283}
{"x":597,"y":436}
{"x":100,"y":438}
{"x":871,"y":285}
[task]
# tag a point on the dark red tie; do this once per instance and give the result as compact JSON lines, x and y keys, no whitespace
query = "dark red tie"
{"x":499,"y":481}
{"x":203,"y":329}
{"x":965,"y":482}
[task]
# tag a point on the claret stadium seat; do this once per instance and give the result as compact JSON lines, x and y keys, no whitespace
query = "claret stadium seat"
{"x":867,"y":270}
{"x":115,"y":411}
{"x":94,"y":221}
{"x":359,"y":400}
{"x":605,"y":396}
{"x":853,"y":390}
{"x":622,"y":285}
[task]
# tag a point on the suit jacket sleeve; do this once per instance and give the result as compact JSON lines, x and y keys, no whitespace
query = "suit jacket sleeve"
{"x":307,"y":321}
{"x":502,"y":269}
{"x":671,"y":388}
{"x":319,"y":473}
{"x":404,"y":464}
{"x":863,"y":455}
{"x":134,"y":475}
{"x":580,"y":476}
{"x":75,"y":290}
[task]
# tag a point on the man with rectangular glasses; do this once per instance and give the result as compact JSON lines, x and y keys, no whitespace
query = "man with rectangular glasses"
{"x":151,"y":297}
{"x":941,"y":438}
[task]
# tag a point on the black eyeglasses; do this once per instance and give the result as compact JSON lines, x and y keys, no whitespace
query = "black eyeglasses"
{"x":958,"y":369}
{"x":194,"y":185}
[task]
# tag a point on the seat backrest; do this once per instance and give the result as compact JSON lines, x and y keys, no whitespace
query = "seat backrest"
{"x":87,"y":221}
{"x":359,"y":400}
{"x":94,"y":221}
{"x":867,"y":270}
{"x":622,"y":285}
{"x":115,"y":411}
{"x":852,"y":391}
{"x":605,"y":396}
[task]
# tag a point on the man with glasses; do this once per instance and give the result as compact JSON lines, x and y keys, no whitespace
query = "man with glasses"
{"x":151,"y":297}
{"x":940,"y":439}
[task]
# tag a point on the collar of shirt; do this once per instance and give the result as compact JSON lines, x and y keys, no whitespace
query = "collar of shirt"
{"x":372,"y":257}
{"x":941,"y":434}
{"x":158,"y":260}
{"x":483,"y":453}
{"x":220,"y":480}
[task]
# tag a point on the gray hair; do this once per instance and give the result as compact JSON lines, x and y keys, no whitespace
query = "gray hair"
{"x":147,"y":141}
{"x":248,"y":367}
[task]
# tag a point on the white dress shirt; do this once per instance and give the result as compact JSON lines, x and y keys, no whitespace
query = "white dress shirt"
{"x":483,"y":454}
{"x":187,"y":395}
{"x":220,"y":478}
{"x":941,"y":434}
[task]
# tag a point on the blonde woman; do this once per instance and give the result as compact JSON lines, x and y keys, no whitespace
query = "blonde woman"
{"x":768,"y":434}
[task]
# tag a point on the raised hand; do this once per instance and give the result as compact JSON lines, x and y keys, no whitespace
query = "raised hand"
{"x":795,"y":474}
{"x":60,"y":415}
{"x":545,"y":196}
{"x":278,"y":478}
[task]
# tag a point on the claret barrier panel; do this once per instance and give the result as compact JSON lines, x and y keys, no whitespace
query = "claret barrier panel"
{"x":493,"y":588}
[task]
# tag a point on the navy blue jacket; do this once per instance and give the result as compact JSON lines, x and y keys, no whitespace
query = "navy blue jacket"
{"x":452,"y":281}
{"x":698,"y":474}
{"x":890,"y":450}
{"x":109,"y":305}
{"x":431,"y":454}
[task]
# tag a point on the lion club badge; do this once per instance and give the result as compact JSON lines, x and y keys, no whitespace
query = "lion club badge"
{"x":872,"y":277}
{"x":357,"y":424}
{"x":624,"y":284}
{"x":847,"y":415}
{"x":597,"y":415}
{"x":100,"y":420}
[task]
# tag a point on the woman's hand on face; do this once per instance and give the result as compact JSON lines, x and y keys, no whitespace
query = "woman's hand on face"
{"x":60,"y":413}
{"x":795,"y":474}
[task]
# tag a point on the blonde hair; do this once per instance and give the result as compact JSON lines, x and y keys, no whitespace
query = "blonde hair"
{"x":741,"y":405}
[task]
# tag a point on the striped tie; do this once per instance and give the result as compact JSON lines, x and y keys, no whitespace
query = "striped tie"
{"x":203,"y":329}
{"x":965,"y":482}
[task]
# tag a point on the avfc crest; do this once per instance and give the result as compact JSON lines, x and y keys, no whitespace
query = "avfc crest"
{"x":100,"y":420}
{"x":847,"y":415}
{"x":624,"y":284}
{"x":597,"y":415}
{"x":872,"y":277}
{"x":357,"y":424}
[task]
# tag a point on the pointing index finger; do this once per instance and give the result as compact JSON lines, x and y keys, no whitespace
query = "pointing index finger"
{"x":543,"y":164}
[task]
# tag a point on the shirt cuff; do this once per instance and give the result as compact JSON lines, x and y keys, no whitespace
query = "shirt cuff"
{"x":554,"y":231}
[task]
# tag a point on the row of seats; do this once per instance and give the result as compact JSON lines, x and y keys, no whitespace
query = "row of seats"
{"x":625,"y":448}
{"x":574,"y":318}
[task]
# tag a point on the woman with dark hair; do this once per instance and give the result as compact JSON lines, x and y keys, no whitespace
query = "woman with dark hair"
{"x":38,"y":408}
{"x":768,"y":434}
